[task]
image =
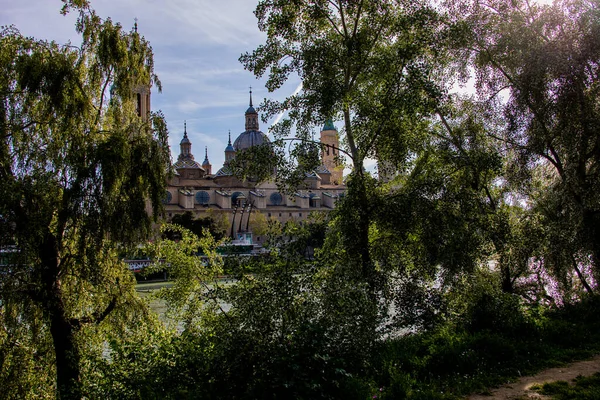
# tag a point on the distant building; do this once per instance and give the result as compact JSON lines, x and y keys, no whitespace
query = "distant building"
{"x":221,"y":195}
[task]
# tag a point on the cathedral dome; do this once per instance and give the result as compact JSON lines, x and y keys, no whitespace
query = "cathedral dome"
{"x":250,"y":138}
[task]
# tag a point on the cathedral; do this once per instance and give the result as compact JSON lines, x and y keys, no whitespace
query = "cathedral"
{"x":198,"y":188}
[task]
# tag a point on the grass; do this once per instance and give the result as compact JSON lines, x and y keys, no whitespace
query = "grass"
{"x":582,"y":388}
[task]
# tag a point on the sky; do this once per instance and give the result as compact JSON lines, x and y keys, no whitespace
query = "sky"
{"x":196,"y":46}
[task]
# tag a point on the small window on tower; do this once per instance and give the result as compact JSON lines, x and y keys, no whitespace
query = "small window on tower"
{"x":138,"y":108}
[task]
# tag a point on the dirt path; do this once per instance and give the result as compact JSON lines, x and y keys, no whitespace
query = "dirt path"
{"x":520,"y":388}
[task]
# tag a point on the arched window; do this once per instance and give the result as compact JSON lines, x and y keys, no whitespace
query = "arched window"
{"x":276,"y":199}
{"x":314,"y":200}
{"x":202,"y":197}
{"x":139,"y":105}
{"x":234,"y":197}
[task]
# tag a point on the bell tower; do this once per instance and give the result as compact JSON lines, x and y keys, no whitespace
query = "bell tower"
{"x":142,"y":93}
{"x":330,"y":153}
{"x":251,"y":116}
{"x":142,"y":102}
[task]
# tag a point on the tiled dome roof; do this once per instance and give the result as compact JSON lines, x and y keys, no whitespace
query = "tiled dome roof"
{"x":225,"y":171}
{"x":321,"y":169}
{"x":187,"y":163}
{"x":329,"y":125}
{"x":250,"y":138}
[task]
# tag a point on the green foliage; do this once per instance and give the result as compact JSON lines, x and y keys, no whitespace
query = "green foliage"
{"x":255,"y":164}
{"x":187,"y":297}
{"x":274,"y":344}
{"x":136,"y":364}
{"x":25,"y":353}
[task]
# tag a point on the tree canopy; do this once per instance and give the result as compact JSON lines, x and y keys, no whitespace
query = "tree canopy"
{"x":545,"y":59}
{"x":79,"y":172}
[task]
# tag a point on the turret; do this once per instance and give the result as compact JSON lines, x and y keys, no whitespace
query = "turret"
{"x":185,"y":145}
{"x":206,"y":164}
{"x":185,"y":166}
{"x":229,"y":151}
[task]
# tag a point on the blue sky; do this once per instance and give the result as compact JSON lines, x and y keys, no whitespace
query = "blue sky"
{"x":196,"y":45}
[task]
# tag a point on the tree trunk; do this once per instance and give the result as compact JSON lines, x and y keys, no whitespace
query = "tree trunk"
{"x":62,"y":329}
{"x":364,"y":222}
{"x":507,"y":283}
{"x":68,"y":382}
{"x":581,"y":277}
{"x":361,"y":245}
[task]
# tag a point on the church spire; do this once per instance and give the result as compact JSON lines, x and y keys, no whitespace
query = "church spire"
{"x":251,"y":116}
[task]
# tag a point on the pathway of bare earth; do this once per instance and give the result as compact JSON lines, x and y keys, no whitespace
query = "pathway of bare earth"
{"x":521,"y":389}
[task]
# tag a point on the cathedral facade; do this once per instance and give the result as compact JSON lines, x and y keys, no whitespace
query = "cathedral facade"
{"x":197,"y":188}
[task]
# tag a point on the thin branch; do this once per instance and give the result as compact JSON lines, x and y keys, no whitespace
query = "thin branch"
{"x":343,"y":18}
{"x":96,"y":317}
{"x":331,"y":21}
{"x":102,"y":93}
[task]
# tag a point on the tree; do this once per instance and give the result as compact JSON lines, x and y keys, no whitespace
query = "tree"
{"x":546,"y":58}
{"x":197,"y":225}
{"x":370,"y":63}
{"x":79,"y":170}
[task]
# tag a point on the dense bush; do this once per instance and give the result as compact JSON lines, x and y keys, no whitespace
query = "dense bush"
{"x":479,"y":351}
